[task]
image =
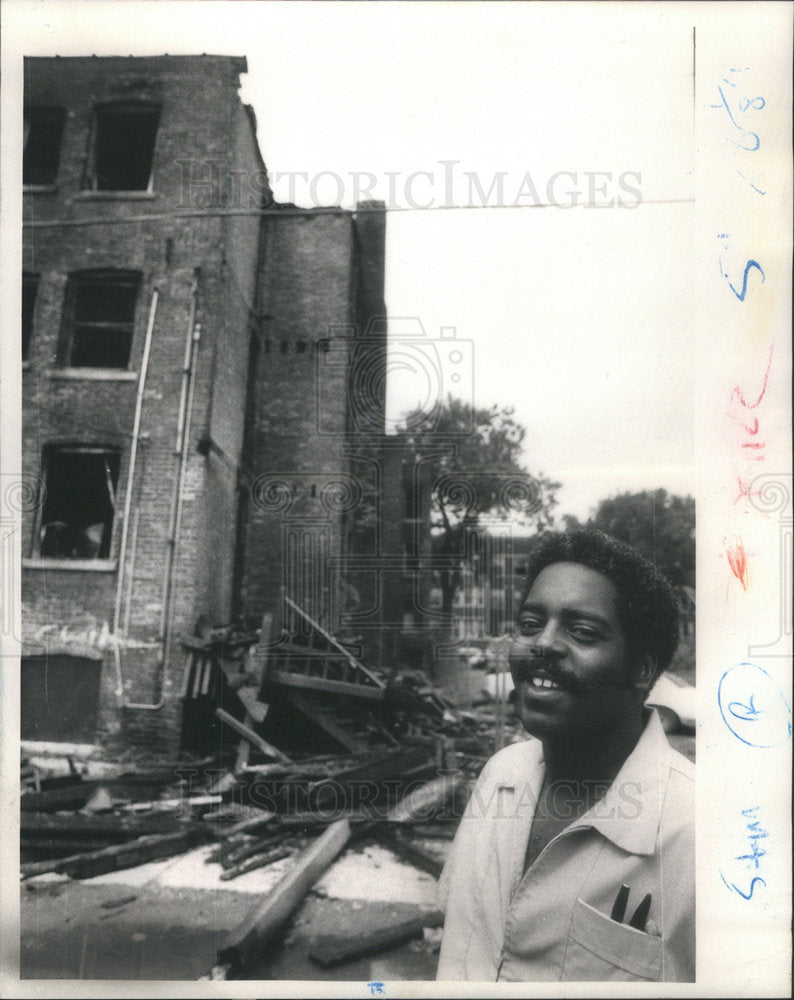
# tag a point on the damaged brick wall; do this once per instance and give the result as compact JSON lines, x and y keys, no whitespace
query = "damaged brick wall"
{"x":204,"y":138}
{"x":302,"y":489}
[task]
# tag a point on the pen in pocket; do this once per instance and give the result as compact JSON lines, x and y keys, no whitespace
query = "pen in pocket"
{"x":640,"y":917}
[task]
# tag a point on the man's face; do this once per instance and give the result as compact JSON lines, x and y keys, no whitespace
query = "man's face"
{"x":569,"y":662}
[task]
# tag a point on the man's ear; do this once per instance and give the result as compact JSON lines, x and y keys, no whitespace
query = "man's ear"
{"x":646,"y":673}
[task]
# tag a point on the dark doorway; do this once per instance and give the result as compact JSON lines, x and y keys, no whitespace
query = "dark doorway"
{"x":59,"y":698}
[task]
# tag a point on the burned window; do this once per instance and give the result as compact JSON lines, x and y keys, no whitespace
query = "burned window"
{"x":30,"y":283}
{"x":99,"y":319}
{"x":79,"y":502}
{"x":43,"y":134}
{"x":123,"y":146}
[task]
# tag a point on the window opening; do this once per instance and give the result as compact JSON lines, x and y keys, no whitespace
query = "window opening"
{"x":80,"y":502}
{"x":42,"y":152}
{"x":101,"y":320}
{"x":124,"y":146}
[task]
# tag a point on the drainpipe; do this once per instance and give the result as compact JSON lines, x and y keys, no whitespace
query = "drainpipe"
{"x":174,"y":542}
{"x":181,"y":449}
{"x":128,"y":496}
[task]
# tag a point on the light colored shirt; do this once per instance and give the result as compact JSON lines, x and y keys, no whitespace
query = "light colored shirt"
{"x":552,"y":922}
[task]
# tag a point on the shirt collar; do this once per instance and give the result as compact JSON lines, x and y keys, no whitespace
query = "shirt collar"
{"x":630,"y":812}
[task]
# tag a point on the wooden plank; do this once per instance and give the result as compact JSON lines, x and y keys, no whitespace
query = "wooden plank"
{"x":253,"y":738}
{"x":423,"y":803}
{"x":255,"y":710}
{"x":79,"y":824}
{"x":186,"y":802}
{"x":52,"y":847}
{"x":333,"y":949}
{"x":117,"y":857}
{"x":257,"y":861}
{"x":320,"y":684}
{"x":72,"y":796}
{"x":245,"y":944}
{"x":237,"y":853}
{"x":252,"y":823}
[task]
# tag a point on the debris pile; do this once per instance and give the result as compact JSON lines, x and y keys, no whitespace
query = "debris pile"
{"x":316,"y":751}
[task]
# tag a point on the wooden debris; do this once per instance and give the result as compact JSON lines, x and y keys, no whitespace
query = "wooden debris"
{"x":186,"y":803}
{"x":333,"y":949}
{"x":425,"y":801}
{"x":245,"y":944}
{"x":253,"y":738}
{"x":256,"y":861}
{"x":86,"y":825}
{"x":71,"y":796}
{"x":409,"y":852}
{"x":247,"y":849}
{"x":250,"y":824}
{"x":117,"y":857}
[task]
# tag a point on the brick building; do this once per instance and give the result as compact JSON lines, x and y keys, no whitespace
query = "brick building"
{"x":178,"y":346}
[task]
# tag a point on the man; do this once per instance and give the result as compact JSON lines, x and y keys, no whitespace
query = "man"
{"x":575,"y":857}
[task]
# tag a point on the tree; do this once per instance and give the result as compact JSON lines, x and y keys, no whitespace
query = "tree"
{"x":659,"y":524}
{"x":472,"y":460}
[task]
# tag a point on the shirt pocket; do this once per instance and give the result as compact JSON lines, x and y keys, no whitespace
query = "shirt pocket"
{"x":601,"y":949}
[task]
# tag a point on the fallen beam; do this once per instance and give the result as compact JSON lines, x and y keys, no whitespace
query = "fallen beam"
{"x":81,"y":825}
{"x":116,"y":858}
{"x":256,"y":861}
{"x":333,"y":949}
{"x":253,"y":738}
{"x":249,"y":824}
{"x":185,"y":802}
{"x":245,"y":944}
{"x":71,"y":796}
{"x":423,"y":803}
{"x":234,"y":854}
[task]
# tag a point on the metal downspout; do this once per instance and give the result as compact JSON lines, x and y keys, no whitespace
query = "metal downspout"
{"x":128,"y":495}
{"x":181,"y":450}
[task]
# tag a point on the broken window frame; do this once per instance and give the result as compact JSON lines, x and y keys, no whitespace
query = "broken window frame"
{"x":73,"y":533}
{"x":70,"y":348}
{"x":45,"y":147}
{"x":30,"y":287}
{"x":93,"y":180}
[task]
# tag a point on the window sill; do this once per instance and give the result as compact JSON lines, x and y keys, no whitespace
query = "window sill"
{"x":39,"y":188}
{"x":93,"y":374}
{"x":83,"y":565}
{"x":115,"y":196}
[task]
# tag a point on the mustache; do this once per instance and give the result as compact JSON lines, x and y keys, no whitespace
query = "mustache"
{"x":523,"y":665}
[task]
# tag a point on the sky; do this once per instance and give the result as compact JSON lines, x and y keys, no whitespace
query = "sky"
{"x":537,"y":164}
